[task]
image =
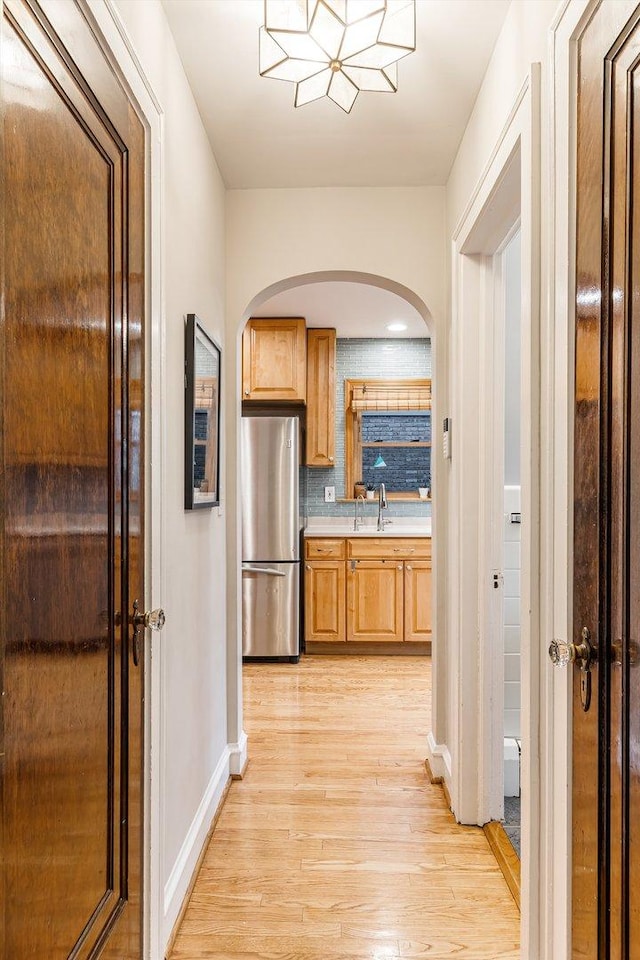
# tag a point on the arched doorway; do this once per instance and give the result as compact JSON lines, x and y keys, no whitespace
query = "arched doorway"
{"x":274,"y":293}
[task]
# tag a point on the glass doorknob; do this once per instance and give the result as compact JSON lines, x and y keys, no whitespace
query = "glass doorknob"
{"x":561,"y":653}
{"x":582,"y":654}
{"x":153,"y":619}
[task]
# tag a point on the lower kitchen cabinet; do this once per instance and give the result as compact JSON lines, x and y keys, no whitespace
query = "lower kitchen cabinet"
{"x":324,"y":610}
{"x":417,"y":601}
{"x":369,"y":590}
{"x":375,"y":601}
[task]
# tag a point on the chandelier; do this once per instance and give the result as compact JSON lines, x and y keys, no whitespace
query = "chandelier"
{"x":336,"y":48}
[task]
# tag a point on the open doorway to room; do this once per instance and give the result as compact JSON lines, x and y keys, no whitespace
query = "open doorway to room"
{"x":349,"y":364}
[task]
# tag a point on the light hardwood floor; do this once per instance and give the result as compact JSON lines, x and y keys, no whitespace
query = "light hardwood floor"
{"x":335,"y":845}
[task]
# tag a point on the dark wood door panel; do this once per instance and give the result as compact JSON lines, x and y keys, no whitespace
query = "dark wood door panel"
{"x":587,"y":497}
{"x":607,"y":421}
{"x":72,"y":389}
{"x":631,"y":657}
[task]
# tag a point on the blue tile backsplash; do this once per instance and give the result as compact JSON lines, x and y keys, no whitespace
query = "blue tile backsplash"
{"x":358,"y":358}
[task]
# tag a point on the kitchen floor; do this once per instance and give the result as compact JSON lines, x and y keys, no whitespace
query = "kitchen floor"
{"x":335,"y":846}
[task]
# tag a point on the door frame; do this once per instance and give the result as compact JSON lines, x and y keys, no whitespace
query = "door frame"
{"x":556,"y":474}
{"x":105,"y":19}
{"x":508,"y":192}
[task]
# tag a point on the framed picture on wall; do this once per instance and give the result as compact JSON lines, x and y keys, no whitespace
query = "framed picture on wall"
{"x":201,"y":417}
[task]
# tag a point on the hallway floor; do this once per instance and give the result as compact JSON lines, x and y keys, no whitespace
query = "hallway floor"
{"x":335,"y":846}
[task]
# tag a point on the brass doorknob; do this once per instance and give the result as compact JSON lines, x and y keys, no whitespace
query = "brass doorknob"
{"x":153,"y":619}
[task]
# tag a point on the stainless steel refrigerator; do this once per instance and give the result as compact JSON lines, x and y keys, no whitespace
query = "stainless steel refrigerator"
{"x":270,"y":538}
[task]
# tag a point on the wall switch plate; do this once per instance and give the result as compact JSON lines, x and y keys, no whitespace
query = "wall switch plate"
{"x":446,"y":438}
{"x":329,"y":494}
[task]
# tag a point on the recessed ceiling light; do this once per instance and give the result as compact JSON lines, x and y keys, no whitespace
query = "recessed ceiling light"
{"x":396,"y":327}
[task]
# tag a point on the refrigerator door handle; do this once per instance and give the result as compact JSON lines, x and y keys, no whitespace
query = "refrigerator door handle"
{"x":269,"y":570}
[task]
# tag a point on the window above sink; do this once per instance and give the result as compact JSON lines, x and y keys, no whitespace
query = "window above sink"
{"x":388,"y":436}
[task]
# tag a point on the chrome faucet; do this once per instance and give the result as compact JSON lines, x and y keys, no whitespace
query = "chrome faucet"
{"x":382,"y":505}
{"x":359,"y":499}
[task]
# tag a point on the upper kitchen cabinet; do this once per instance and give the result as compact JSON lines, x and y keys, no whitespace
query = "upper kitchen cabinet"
{"x":274,"y":360}
{"x":321,"y":398}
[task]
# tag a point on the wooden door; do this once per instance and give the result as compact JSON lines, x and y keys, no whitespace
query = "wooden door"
{"x":71,"y":483}
{"x":274,"y":360}
{"x":321,"y":398}
{"x":324,"y":598}
{"x":417,"y":600}
{"x":375,"y":600}
{"x":606,"y":594}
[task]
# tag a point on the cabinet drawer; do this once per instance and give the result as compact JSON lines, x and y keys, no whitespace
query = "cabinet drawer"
{"x":324,"y":549}
{"x":379,"y":548}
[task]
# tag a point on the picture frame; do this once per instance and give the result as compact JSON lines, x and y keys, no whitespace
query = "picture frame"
{"x":203,"y":366}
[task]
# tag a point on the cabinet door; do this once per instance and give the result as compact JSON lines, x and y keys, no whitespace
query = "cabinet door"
{"x":417,"y":600}
{"x":324,"y":596}
{"x":375,"y":600}
{"x":274,"y":360}
{"x":321,"y":398}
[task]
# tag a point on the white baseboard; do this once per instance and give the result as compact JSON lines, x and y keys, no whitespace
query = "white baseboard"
{"x":439,"y":759}
{"x":181,"y":875}
{"x":238,"y":753}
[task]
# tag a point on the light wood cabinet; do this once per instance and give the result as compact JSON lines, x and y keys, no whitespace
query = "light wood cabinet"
{"x":324,"y":613}
{"x":321,"y":398}
{"x":381,"y":548}
{"x":274,"y":360}
{"x":417,"y":601}
{"x":367,"y":590}
{"x":324,"y":549}
{"x":375,"y":601}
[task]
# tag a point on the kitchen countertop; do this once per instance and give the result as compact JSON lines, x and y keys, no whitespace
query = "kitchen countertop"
{"x":343,"y":527}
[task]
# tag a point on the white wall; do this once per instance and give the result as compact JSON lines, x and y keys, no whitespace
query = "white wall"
{"x":512,"y":491}
{"x":523,"y":40}
{"x":512,"y":355}
{"x":511,"y":601}
{"x":193,"y":645}
{"x":393,"y":233}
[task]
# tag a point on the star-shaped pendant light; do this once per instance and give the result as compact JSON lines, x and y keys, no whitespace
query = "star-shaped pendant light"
{"x":335,"y":48}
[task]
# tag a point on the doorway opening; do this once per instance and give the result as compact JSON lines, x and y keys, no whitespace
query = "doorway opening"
{"x":373,"y":334}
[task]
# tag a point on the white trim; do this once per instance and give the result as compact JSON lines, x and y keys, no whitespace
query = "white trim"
{"x":179,"y":879}
{"x":238,"y":756}
{"x":108,"y":23}
{"x":556,"y":478}
{"x":439,"y":759}
{"x":485,"y":176}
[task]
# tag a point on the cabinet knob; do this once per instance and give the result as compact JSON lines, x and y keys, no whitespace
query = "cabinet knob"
{"x":307,"y":567}
{"x":409,"y":567}
{"x":399,"y":566}
{"x":246,"y":393}
{"x":331,"y":459}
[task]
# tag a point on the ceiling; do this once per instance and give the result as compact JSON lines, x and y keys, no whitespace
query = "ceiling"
{"x":404,"y":139}
{"x":354,"y":309}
